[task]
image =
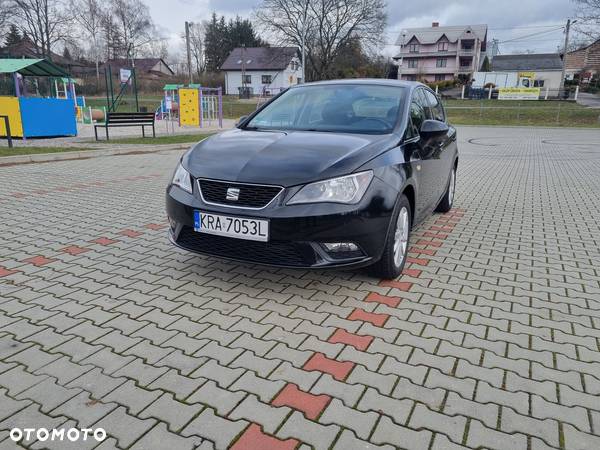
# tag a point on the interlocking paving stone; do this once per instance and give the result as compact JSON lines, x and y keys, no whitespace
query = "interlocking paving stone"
{"x":489,"y":339}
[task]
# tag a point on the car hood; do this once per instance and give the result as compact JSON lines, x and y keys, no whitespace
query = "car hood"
{"x":284,"y":158}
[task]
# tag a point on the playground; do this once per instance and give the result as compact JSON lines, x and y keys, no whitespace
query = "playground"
{"x":39,"y":106}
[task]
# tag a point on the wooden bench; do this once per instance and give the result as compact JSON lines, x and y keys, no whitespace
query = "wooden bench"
{"x":134,"y":119}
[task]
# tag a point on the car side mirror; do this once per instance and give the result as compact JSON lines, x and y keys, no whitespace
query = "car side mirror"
{"x":433,"y":128}
{"x":240,"y":120}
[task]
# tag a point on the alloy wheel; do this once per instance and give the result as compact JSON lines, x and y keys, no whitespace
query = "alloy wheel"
{"x":401,"y":236}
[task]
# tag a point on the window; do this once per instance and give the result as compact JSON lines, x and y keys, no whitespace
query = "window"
{"x":441,"y":62}
{"x":437,"y":110}
{"x":247,"y":79}
{"x":344,"y":108}
{"x":413,"y":48}
{"x":412,"y":63}
{"x":442,"y":47}
{"x":538,"y":83}
{"x":440,"y":77}
{"x":266,"y":79}
{"x":417,"y":113}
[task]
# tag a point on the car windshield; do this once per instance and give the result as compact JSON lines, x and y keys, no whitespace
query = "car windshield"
{"x":345,"y":108}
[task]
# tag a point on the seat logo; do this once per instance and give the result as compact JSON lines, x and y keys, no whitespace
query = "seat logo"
{"x":233,"y":194}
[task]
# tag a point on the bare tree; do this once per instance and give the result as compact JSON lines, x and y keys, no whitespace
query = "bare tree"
{"x":135,"y":25}
{"x":45,"y":22}
{"x":325,"y":26}
{"x":89,"y":15}
{"x":588,"y":20}
{"x":4,"y":17}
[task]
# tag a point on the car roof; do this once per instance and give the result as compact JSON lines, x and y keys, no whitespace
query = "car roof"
{"x":365,"y":81}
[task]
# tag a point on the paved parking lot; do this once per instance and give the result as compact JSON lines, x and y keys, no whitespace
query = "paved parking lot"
{"x":491,"y":338}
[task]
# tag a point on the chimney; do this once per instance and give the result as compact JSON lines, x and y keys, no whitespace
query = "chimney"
{"x":435,"y":24}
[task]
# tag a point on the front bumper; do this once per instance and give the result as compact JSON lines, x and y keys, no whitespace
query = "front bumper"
{"x":296,"y":233}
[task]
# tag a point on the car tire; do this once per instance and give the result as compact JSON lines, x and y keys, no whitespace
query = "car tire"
{"x":447,"y":201}
{"x":395,"y":250}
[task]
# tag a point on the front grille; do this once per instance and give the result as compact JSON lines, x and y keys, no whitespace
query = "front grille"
{"x":250,"y":195}
{"x":274,"y":252}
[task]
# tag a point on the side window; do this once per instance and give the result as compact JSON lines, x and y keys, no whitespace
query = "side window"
{"x":437,"y":110}
{"x":417,"y":114}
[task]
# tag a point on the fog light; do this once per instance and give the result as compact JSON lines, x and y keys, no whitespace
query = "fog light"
{"x":337,"y":247}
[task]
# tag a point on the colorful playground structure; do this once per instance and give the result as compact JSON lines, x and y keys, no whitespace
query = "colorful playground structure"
{"x":191,"y":105}
{"x":36,"y":116}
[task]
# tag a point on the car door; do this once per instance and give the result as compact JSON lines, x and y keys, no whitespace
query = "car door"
{"x":443,"y":148}
{"x":425,"y":170}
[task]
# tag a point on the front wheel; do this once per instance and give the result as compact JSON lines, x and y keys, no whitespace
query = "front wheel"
{"x":396,"y":245}
{"x":445,"y":204}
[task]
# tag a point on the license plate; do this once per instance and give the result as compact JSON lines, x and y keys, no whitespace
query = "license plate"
{"x":231,"y":226}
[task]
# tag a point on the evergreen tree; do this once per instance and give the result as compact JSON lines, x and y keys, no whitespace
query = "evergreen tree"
{"x":13,"y":37}
{"x":222,"y":37}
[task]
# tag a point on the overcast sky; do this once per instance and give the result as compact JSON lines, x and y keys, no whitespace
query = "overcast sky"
{"x":507,"y":19}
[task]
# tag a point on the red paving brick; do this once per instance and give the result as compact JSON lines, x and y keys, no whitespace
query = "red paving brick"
{"x":418,"y":261}
{"x":39,"y":260}
{"x":104,"y":241}
{"x":254,"y":439}
{"x":74,"y":250}
{"x":385,"y":299}
{"x":130,"y":233}
{"x":402,"y":285}
{"x":422,"y":251}
{"x":355,"y":340}
{"x":375,"y":318}
{"x":310,"y":404}
{"x":415,"y":273}
{"x":337,"y":369}
{"x":18,"y":195}
{"x":429,"y":243}
{"x":155,"y":226}
{"x":4,"y":272}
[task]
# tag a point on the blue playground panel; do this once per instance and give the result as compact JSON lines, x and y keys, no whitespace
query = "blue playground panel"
{"x":45,"y":117}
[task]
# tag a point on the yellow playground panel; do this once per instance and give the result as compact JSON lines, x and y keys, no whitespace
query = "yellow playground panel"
{"x":189,"y":107}
{"x":9,"y":106}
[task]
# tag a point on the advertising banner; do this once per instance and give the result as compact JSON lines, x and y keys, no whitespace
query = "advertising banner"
{"x":125,"y":76}
{"x":519,"y":93}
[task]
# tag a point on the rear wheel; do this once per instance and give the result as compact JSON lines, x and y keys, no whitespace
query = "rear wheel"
{"x":396,"y":246}
{"x":445,"y":204}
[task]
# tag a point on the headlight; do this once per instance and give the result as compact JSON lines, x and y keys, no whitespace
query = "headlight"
{"x":348,"y":189}
{"x":182,"y":178}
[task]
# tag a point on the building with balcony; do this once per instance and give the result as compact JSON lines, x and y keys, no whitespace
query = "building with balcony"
{"x":440,"y":53}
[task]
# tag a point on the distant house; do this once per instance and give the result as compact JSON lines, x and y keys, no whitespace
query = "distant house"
{"x":546,"y":68}
{"x":148,"y":68}
{"x":440,"y":53}
{"x":26,"y":48}
{"x":584,"y":61}
{"x":261,"y":69}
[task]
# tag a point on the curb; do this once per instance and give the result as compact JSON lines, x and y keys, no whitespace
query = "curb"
{"x":87,"y":154}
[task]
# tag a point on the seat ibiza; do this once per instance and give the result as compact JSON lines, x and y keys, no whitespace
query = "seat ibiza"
{"x":327,"y":174}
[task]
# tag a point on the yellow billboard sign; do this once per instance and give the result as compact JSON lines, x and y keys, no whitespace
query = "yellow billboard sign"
{"x":527,"y":75}
{"x":519,"y":93}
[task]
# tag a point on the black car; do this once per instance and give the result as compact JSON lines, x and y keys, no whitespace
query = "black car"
{"x":327,"y":174}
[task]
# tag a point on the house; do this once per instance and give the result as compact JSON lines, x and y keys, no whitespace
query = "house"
{"x":262,"y":70}
{"x":544,"y":68}
{"x":440,"y":53}
{"x":147,"y":68}
{"x":27,"y":49}
{"x":584,"y":61}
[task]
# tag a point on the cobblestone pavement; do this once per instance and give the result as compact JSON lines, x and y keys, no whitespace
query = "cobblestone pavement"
{"x":491,"y":338}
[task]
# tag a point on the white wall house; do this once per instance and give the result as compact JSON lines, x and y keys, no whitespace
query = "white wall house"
{"x":544,"y":68}
{"x":264,"y":70}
